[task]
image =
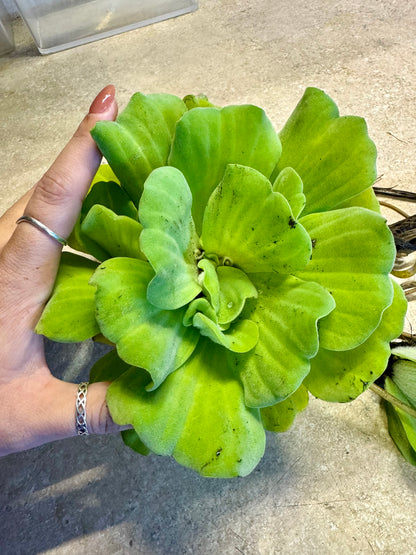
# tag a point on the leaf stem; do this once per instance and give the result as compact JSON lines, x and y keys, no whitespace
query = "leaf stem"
{"x":395,"y":208}
{"x":393,"y":400}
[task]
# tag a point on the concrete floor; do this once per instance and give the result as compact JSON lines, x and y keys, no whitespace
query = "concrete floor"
{"x":334,"y":483}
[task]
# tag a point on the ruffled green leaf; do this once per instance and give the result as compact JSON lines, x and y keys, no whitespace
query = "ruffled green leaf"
{"x":104,"y":173}
{"x":408,"y":422}
{"x":112,"y":196}
{"x":140,"y":139}
{"x":207,"y":139}
{"x":234,"y":289}
{"x":343,"y":375}
{"x":104,"y":193}
{"x":169,"y":239}
{"x":402,"y":385}
{"x":289,"y":184}
{"x":333,"y":155}
{"x":69,"y":315}
{"x":109,"y":367}
{"x":280,"y":417}
{"x":145,"y":335}
{"x":197,"y":415}
{"x":405,"y":352}
{"x":404,"y":376}
{"x":398,"y":435}
{"x":107,"y":235}
{"x":132,"y":440}
{"x":286,"y":312}
{"x":240,"y":338}
{"x":396,"y":428}
{"x":247,"y":222}
{"x":404,"y":370}
{"x":366,"y":199}
{"x":353,"y":253}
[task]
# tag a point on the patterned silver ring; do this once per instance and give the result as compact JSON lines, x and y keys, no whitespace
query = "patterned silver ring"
{"x":42,"y":227}
{"x":81,"y":411}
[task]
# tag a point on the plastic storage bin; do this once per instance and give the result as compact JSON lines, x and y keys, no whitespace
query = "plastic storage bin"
{"x":60,"y":24}
{"x":6,"y":33}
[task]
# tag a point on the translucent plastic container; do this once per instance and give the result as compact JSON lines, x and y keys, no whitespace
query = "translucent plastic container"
{"x":60,"y":24}
{"x":6,"y":33}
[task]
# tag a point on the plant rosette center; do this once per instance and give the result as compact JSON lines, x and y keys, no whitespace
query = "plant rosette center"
{"x":236,"y":269}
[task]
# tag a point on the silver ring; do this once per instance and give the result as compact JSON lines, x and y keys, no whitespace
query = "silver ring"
{"x":42,"y":227}
{"x":80,"y":410}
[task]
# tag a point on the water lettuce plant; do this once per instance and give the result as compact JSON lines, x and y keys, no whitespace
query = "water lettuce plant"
{"x":235,"y":270}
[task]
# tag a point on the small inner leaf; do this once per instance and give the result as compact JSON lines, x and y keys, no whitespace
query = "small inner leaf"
{"x":253,"y":226}
{"x":201,"y":304}
{"x":209,"y":282}
{"x":235,"y":288}
{"x":169,"y":239}
{"x":290,"y":185}
{"x":240,"y":338}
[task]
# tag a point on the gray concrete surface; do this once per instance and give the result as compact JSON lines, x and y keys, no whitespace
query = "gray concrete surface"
{"x":334,"y":483}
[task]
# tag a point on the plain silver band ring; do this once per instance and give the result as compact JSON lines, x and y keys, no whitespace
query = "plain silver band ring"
{"x":80,"y":410}
{"x":42,"y":227}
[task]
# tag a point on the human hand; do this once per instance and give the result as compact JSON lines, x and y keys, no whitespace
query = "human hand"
{"x":36,"y":407}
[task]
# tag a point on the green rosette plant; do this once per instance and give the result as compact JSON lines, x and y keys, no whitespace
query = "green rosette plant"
{"x":235,"y":269}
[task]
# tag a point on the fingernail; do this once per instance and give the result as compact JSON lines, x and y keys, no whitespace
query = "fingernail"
{"x":103,"y":100}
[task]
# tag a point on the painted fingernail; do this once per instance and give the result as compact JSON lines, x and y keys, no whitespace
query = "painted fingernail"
{"x":103,"y":100}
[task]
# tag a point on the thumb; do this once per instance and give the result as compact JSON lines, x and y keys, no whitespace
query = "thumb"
{"x":58,"y":196}
{"x":98,"y":416}
{"x":56,"y":202}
